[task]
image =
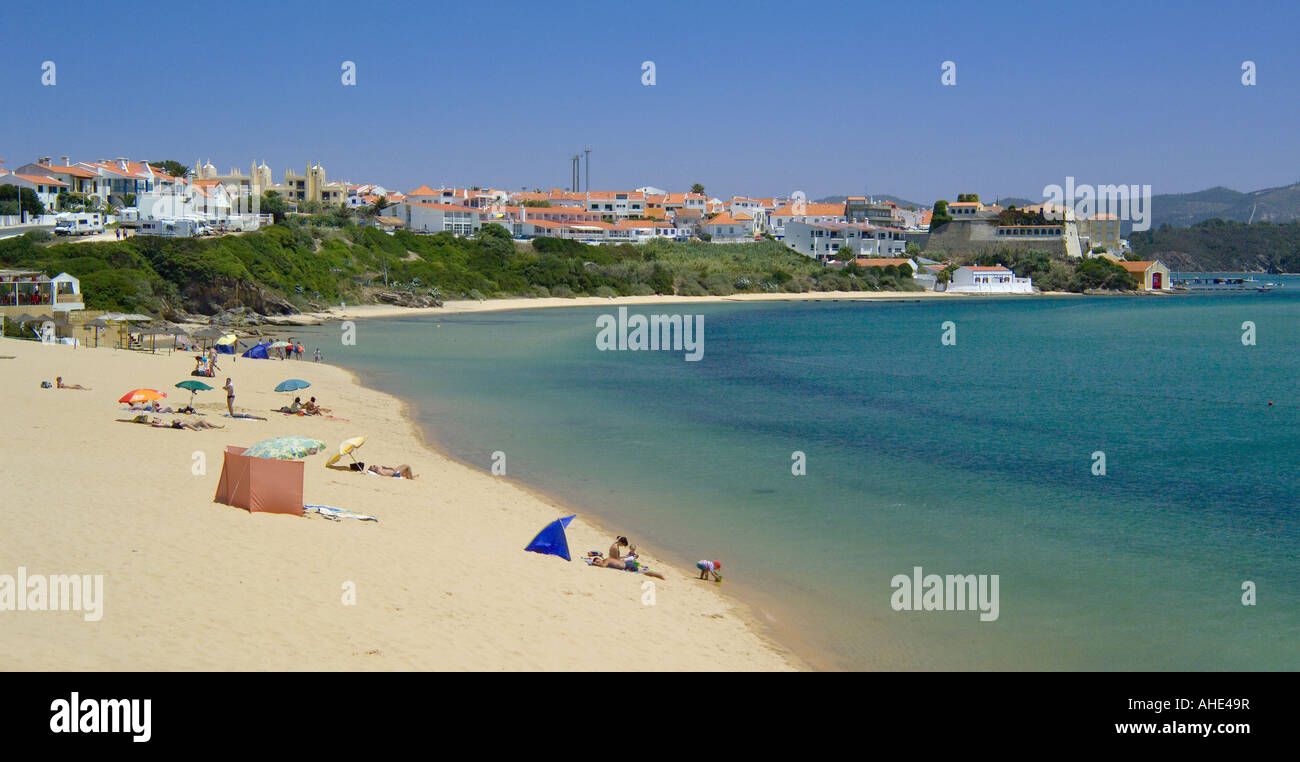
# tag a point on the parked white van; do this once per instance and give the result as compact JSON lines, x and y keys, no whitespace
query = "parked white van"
{"x":128,"y":217}
{"x":169,"y":228}
{"x":79,"y":223}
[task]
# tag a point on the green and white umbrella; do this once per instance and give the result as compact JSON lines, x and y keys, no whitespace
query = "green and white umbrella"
{"x":194,"y":387}
{"x":285,"y":448}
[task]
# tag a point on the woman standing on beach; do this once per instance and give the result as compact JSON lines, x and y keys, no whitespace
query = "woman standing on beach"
{"x":230,"y":397}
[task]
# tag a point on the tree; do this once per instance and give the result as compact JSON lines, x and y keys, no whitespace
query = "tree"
{"x":378,"y":207}
{"x":13,"y":199}
{"x":940,"y":216}
{"x":697,"y":188}
{"x":966,"y":198}
{"x":273,"y":204}
{"x":1101,"y":273}
{"x":173,"y":168}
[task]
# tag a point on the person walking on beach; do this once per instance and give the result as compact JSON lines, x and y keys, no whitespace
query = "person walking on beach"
{"x":710,"y":567}
{"x":317,"y":354}
{"x":230,"y":397}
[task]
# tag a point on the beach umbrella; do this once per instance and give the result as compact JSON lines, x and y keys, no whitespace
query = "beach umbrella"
{"x":285,"y":448}
{"x":347,"y":447}
{"x":194,"y":387}
{"x":281,"y":344}
{"x":142,"y":395}
{"x":291,"y":385}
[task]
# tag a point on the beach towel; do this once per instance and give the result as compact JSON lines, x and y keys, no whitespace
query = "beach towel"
{"x":335,"y":514}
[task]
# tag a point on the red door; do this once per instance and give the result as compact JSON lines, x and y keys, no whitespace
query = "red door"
{"x":1155,"y":281}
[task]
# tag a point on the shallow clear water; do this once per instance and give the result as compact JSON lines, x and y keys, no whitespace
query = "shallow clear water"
{"x":974,"y":458}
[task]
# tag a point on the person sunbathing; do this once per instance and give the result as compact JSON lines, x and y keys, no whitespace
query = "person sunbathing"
{"x":626,"y":564}
{"x":402,"y":471}
{"x":58,"y":384}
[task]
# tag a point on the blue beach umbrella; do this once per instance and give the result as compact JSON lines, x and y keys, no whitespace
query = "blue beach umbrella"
{"x":291,"y":385}
{"x":551,"y":541}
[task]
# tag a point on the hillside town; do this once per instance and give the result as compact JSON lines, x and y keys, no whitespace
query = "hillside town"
{"x":88,"y":198}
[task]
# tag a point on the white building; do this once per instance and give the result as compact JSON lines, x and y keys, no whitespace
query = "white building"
{"x":989,"y":280}
{"x":824,"y":240}
{"x":618,"y":204}
{"x":729,"y":228}
{"x":423,"y":217}
{"x":803,"y":212}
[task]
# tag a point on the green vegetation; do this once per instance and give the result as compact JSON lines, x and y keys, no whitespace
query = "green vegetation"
{"x":697,"y":188}
{"x":171,"y":167}
{"x":1052,"y":273}
{"x":13,"y":198}
{"x":1223,"y":246}
{"x":1014,"y":216}
{"x":967,"y":198}
{"x":940,"y":216}
{"x":308,"y":262}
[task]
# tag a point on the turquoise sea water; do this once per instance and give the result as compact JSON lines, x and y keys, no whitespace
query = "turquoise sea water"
{"x":975,"y":458}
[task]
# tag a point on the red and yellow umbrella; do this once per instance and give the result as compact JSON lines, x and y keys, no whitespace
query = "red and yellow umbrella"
{"x":142,"y":395}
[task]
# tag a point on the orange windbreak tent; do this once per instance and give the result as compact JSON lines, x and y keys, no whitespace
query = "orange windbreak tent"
{"x":268,"y":485}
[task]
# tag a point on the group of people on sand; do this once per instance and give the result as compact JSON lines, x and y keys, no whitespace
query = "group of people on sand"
{"x":157,"y":423}
{"x":303,"y":408}
{"x":155,"y":406}
{"x":617,"y":559}
{"x":206,"y":364}
{"x":630,"y":561}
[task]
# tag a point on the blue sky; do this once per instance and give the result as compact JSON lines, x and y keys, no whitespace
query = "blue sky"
{"x":755,"y":98}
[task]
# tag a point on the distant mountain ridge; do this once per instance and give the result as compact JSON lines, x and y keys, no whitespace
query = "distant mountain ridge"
{"x":877,"y":197}
{"x":1279,"y":205}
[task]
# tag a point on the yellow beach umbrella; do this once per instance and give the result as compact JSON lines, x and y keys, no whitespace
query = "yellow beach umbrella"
{"x":346,"y":447}
{"x":227,"y":340}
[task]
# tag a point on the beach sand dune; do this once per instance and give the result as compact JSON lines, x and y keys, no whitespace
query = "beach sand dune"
{"x":441,"y":581}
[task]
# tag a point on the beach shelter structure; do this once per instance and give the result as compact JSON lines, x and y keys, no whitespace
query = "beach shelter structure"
{"x":260,"y":485}
{"x":255,"y":352}
{"x":552,"y":541}
{"x":226,"y":344}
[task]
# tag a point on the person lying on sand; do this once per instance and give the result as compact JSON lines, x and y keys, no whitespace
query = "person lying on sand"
{"x":58,"y":384}
{"x":626,"y":565}
{"x":249,"y":416}
{"x":402,"y":471}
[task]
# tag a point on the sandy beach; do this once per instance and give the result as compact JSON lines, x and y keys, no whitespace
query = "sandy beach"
{"x":459,"y":306}
{"x":441,"y":581}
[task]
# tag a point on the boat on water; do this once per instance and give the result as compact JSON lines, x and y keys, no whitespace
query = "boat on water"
{"x":1222,"y":283}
